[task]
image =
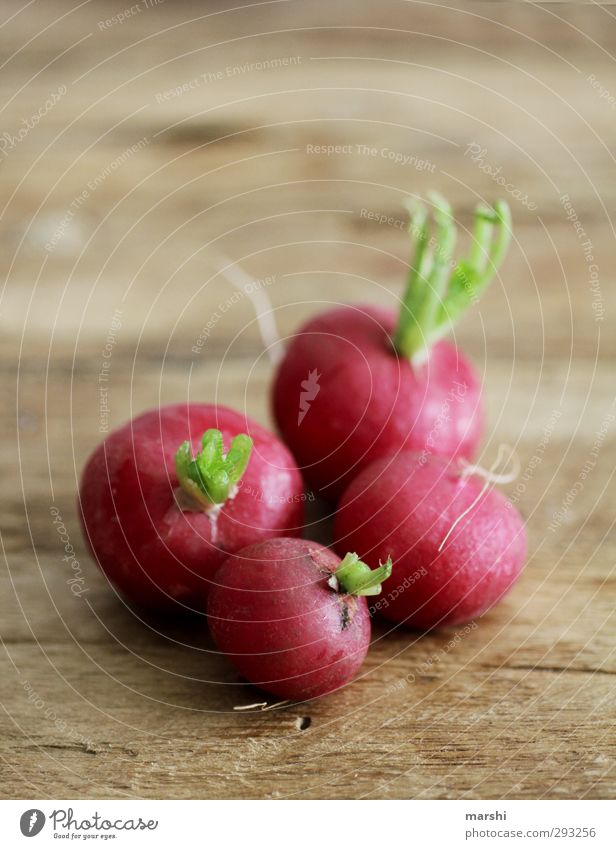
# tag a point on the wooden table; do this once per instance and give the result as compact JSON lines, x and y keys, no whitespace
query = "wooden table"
{"x":158,"y":145}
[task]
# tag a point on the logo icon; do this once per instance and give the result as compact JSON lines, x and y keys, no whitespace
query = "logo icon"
{"x":310,"y":390}
{"x":32,"y":822}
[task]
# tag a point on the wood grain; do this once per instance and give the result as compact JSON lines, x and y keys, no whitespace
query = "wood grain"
{"x":184,"y":140}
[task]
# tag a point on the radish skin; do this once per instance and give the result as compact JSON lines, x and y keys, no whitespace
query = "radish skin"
{"x":282,"y":613}
{"x":456,"y":548}
{"x":159,"y":543}
{"x":371,"y":402}
{"x":358,"y":382}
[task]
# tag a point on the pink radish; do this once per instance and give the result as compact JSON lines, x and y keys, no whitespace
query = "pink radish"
{"x":160,"y":521}
{"x":358,"y":383}
{"x":292,"y":617}
{"x":457,"y":544}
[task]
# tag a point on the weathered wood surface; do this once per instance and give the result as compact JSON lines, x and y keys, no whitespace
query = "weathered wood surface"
{"x":95,"y":701}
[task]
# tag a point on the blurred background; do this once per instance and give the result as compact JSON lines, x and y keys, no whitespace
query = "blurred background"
{"x":147,"y":151}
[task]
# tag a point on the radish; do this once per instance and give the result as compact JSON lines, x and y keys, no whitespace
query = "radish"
{"x":292,"y":617}
{"x":357,"y":383}
{"x":458,"y":545}
{"x":159,"y":521}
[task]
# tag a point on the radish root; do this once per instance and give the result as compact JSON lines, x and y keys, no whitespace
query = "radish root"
{"x":261,"y":706}
{"x":235,"y":274}
{"x":491,"y":477}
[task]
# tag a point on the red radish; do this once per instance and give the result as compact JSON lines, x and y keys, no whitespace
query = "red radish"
{"x":159,"y":522}
{"x":358,"y":383}
{"x":292,"y":617}
{"x":458,"y":545}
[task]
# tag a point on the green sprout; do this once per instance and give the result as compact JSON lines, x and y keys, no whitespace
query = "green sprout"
{"x":211,"y":477}
{"x":440,"y":289}
{"x":357,"y":578}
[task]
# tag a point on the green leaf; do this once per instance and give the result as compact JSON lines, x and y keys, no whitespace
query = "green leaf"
{"x":438,"y":289}
{"x":210,"y":477}
{"x":357,"y":578}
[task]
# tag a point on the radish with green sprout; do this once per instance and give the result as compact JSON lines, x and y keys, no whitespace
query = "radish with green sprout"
{"x":167,"y":497}
{"x":359,"y":382}
{"x":292,"y":617}
{"x":457,"y":544}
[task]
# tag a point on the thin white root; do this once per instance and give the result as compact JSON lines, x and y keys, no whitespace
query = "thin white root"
{"x":490,"y":474}
{"x":490,"y":477}
{"x":188,"y":505}
{"x":213,"y":513}
{"x":235,"y":274}
{"x":276,"y":704}
{"x":262,"y":706}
